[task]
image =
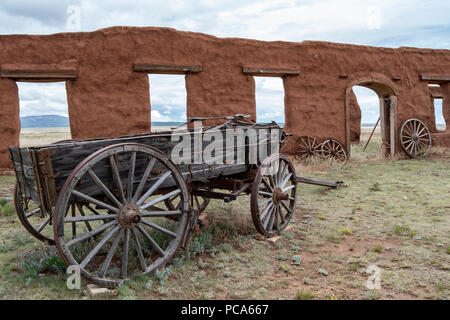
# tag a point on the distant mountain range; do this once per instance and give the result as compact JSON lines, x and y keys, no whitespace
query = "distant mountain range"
{"x":46,"y":121}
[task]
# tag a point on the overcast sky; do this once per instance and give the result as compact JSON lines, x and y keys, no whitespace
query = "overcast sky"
{"x":390,"y":23}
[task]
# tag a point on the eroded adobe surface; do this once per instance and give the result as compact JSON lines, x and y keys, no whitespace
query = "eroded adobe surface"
{"x":106,"y":97}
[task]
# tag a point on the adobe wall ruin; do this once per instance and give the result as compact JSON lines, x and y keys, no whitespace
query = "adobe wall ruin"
{"x":108,"y":89}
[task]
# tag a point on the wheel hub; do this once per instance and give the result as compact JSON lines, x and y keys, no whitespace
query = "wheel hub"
{"x":129,"y":215}
{"x":415,"y":137}
{"x":279,"y":195}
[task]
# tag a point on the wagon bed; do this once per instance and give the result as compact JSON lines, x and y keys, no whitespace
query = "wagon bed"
{"x":124,"y":204}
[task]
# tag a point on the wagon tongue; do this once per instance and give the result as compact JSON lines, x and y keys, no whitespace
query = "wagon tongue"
{"x":129,"y":216}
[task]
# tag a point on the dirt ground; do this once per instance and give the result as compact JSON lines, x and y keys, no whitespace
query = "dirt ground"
{"x":392,"y":215}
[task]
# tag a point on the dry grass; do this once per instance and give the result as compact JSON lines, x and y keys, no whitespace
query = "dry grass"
{"x":392,"y":214}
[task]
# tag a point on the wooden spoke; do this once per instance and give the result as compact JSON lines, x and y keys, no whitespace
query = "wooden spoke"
{"x":162,"y":198}
{"x":265,"y":194}
{"x":113,"y":160}
{"x":143,"y":181}
{"x":266,"y":210}
{"x":91,"y":218}
{"x":90,"y":234}
{"x":33,"y":212}
{"x":267,"y":184}
{"x":111,"y":253}
{"x":261,"y":204}
{"x":74,"y":225}
{"x":151,"y":240}
{"x":131,"y":176}
{"x":42,"y":226}
{"x":81,"y":211}
{"x":153,"y":188}
{"x":126,"y":246}
{"x":161,"y":213}
{"x":99,"y":246}
{"x":283,"y":183}
{"x":97,"y":202}
{"x":102,"y":187}
{"x":139,"y":250}
{"x":92,"y":209}
{"x":159,"y":228}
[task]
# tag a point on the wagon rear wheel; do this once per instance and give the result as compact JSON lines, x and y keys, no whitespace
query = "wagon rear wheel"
{"x":415,"y":138}
{"x":273,"y":195}
{"x":130,"y":234}
{"x":36,"y":222}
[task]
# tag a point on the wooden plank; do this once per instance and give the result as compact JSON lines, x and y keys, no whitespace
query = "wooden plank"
{"x":270,"y":72}
{"x":166,"y":69}
{"x":48,"y":75}
{"x":435,"y":78}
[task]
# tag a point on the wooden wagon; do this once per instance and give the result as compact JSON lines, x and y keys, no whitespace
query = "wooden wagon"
{"x":121,"y":207}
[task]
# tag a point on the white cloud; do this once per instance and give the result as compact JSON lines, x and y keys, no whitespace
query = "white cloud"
{"x":42,"y":98}
{"x":269,"y":96}
{"x":370,"y":22}
{"x":369,"y":104}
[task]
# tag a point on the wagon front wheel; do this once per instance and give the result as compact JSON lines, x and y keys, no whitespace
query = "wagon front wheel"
{"x":273,"y":195}
{"x":130,"y":231}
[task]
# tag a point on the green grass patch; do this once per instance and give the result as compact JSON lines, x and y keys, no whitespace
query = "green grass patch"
{"x":304,"y":294}
{"x":378,"y":248}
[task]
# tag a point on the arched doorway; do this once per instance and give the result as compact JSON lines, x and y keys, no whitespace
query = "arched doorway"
{"x":388,"y":112}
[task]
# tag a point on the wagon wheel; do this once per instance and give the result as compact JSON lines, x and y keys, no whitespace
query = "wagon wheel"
{"x":130,"y":232}
{"x":333,"y":149}
{"x":36,"y":222}
{"x":199,"y":203}
{"x":305,"y":147}
{"x":415,"y":138}
{"x":39,"y":224}
{"x":272,"y":200}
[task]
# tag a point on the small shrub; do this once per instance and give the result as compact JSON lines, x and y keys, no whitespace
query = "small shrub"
{"x":353,"y":266}
{"x":333,"y":238}
{"x":440,"y":286}
{"x":375,"y":187}
{"x":402,"y":230}
{"x":378,"y":248}
{"x":304,"y":294}
{"x":448,"y":249}
{"x":6,"y":210}
{"x":163,"y":274}
{"x":201,"y":243}
{"x":45,"y":262}
{"x":226,"y":247}
{"x":373,"y":295}
{"x":345,"y":231}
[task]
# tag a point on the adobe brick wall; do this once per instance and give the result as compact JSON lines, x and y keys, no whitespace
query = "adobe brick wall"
{"x":108,"y":98}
